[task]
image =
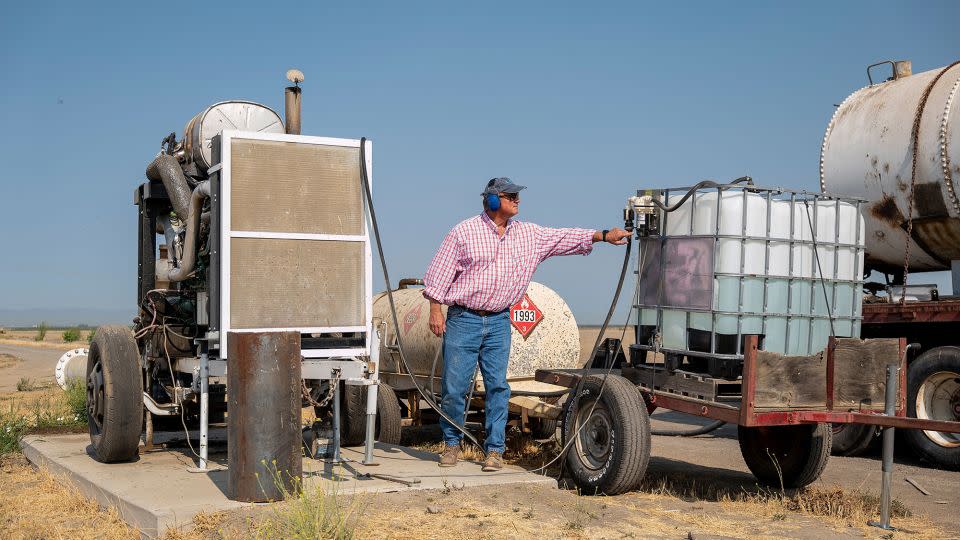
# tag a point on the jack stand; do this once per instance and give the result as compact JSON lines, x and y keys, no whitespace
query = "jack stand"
{"x":372,"y":391}
{"x":335,"y":458}
{"x":893,"y":376}
{"x":204,"y":411}
{"x":371,"y":425}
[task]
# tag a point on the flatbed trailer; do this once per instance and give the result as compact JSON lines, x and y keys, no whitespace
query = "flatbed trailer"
{"x":783,"y":407}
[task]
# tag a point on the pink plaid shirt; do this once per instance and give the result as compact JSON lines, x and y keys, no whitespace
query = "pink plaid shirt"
{"x":478,"y":269}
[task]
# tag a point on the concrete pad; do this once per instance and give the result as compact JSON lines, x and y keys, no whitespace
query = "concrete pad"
{"x":157,"y":491}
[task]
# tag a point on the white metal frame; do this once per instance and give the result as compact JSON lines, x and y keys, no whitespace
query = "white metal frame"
{"x":227,"y":233}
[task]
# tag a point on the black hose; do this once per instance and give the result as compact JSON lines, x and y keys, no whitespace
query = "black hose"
{"x":699,"y":186}
{"x":393,"y":308}
{"x":690,"y":432}
{"x":531,"y":393}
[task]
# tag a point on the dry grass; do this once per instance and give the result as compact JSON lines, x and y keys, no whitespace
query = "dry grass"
{"x":34,"y":504}
{"x":53,"y":339}
{"x":9,"y":360}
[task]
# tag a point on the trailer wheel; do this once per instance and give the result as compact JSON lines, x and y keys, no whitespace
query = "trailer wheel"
{"x":852,"y":439}
{"x":542,"y":428}
{"x":353,"y":423}
{"x":786,"y":456}
{"x":933,"y":392}
{"x":611,"y":432}
{"x":114,"y":394}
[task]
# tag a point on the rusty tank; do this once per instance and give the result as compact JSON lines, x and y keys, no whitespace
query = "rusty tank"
{"x":892,"y":139}
{"x":554,"y":343}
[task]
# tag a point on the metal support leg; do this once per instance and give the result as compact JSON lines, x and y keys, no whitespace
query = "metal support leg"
{"x":336,"y":420}
{"x":955,"y":275}
{"x":204,"y":408}
{"x":893,"y":377}
{"x":372,"y":392}
{"x":371,"y":424}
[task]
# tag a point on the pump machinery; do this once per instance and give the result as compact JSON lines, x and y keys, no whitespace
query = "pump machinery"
{"x":245,"y":226}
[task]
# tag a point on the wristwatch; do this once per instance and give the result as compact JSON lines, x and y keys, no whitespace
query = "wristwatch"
{"x":604,"y":237}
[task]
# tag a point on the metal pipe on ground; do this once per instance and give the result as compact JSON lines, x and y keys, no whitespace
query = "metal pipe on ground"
{"x":263,"y":426}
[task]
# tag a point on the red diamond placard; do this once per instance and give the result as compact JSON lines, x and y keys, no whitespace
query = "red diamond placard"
{"x":525,"y":316}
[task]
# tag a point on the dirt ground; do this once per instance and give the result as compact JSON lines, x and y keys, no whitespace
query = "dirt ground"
{"x":695,"y":488}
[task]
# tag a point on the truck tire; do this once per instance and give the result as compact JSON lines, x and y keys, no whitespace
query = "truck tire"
{"x":611,"y":451}
{"x":786,"y":456}
{"x":353,"y":422}
{"x":114,"y":394}
{"x":852,"y":439}
{"x":933,"y":392}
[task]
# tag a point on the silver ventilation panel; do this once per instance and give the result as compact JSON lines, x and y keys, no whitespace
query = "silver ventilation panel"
{"x":295,"y":250}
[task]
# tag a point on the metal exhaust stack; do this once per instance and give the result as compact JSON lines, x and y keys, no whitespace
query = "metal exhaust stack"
{"x":292,"y":102}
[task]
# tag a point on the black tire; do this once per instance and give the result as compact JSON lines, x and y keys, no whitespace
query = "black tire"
{"x":852,"y":439}
{"x":786,"y":456}
{"x":353,"y":418}
{"x":542,"y":428}
{"x":940,"y":364}
{"x":611,"y":452}
{"x":114,"y":394}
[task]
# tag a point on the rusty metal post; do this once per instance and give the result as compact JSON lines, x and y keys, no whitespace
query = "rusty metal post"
{"x":893,"y":378}
{"x":263,"y":421}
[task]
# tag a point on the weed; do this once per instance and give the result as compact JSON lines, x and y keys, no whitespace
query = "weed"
{"x":310,"y":513}
{"x":11,"y":430}
{"x":51,"y":410}
{"x":90,"y":335}
{"x":41,"y":331}
{"x":76,"y":395}
{"x":71,"y":335}
{"x":528,"y":514}
{"x":24,"y":384}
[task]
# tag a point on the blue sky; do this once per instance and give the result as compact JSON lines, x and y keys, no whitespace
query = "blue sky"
{"x":583,"y":102}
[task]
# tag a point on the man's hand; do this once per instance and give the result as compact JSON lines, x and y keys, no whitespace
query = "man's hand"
{"x":615,"y":236}
{"x":437,"y":323}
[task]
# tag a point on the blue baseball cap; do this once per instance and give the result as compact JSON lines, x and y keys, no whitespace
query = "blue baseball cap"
{"x":502,"y":185}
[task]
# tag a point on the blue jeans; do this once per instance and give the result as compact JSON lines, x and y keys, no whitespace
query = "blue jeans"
{"x":470,"y":338}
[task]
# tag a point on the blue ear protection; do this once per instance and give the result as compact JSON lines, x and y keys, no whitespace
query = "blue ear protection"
{"x":493,"y":201}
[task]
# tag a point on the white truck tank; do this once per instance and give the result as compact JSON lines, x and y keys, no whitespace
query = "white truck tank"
{"x":553,"y":344}
{"x":868,"y":151}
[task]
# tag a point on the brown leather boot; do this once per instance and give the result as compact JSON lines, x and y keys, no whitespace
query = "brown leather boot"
{"x":494,"y":462}
{"x":450,"y":455}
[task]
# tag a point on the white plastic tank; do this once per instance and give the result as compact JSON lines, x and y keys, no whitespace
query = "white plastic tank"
{"x":553,"y":344}
{"x":778,"y":262}
{"x":868,"y":152}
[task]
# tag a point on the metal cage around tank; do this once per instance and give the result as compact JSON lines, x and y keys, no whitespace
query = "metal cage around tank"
{"x":740,"y":259}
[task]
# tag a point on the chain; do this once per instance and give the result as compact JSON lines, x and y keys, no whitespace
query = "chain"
{"x":330,"y":391}
{"x":915,"y":139}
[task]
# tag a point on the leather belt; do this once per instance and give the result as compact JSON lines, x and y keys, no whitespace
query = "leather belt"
{"x":481,"y":312}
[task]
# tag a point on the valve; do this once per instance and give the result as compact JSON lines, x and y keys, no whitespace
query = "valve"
{"x":641,"y":215}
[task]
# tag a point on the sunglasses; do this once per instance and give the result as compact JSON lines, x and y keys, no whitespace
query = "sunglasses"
{"x":511,"y":196}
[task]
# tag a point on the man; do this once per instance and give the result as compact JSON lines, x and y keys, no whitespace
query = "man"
{"x":484,"y":266}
